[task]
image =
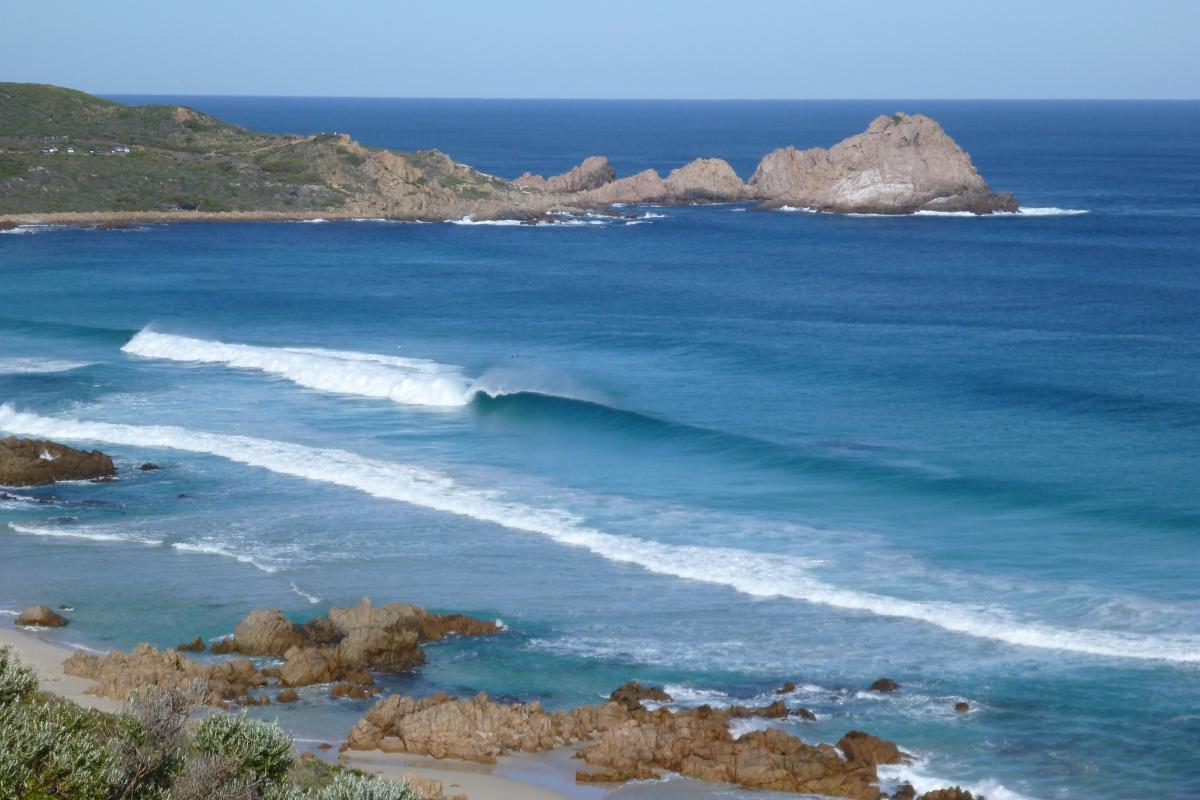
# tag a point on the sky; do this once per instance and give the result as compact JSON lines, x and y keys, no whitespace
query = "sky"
{"x":738,"y":49}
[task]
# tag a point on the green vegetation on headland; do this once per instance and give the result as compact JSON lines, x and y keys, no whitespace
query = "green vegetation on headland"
{"x":66,"y":151}
{"x":52,"y":749}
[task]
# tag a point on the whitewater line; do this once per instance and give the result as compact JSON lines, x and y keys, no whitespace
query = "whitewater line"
{"x":754,"y":574}
{"x":407,"y":381}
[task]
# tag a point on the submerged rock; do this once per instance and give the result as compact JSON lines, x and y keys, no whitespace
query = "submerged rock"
{"x":34,"y":462}
{"x":884,"y":685}
{"x":624,"y":742}
{"x":962,"y":707}
{"x":899,"y":165}
{"x":633,"y":693}
{"x":41,"y":616}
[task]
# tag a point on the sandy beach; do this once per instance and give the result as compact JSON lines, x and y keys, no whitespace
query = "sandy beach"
{"x":46,"y":660}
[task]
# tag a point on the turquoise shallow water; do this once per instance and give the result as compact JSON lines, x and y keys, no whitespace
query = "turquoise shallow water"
{"x":718,"y":449}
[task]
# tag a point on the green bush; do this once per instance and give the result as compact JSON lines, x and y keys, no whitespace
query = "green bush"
{"x":50,"y":749}
{"x":350,"y":786}
{"x":15,"y":680}
{"x":259,"y":750}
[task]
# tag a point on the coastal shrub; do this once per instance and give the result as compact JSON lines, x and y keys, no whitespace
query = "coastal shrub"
{"x":351,"y":786}
{"x":152,"y":739}
{"x":50,"y":748}
{"x":259,"y":751}
{"x":16,"y":681}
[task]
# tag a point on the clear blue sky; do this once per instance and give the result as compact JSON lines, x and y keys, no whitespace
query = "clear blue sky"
{"x":610,"y":48}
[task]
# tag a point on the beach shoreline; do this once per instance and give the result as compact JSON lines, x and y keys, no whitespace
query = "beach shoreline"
{"x":476,"y":781}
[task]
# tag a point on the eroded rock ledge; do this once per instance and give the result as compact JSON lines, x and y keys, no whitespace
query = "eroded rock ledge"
{"x":901,"y":164}
{"x":341,"y":648}
{"x":623,"y":740}
{"x":36,"y":462}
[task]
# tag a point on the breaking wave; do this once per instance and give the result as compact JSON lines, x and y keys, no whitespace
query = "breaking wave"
{"x":35,"y":366}
{"x":408,"y":381}
{"x":217,"y":549}
{"x":91,"y":534}
{"x":1048,"y":211}
{"x":751,"y":573}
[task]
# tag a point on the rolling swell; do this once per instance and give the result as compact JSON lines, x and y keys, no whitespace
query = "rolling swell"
{"x":421,"y":382}
{"x":747,"y":572}
{"x":859,"y":463}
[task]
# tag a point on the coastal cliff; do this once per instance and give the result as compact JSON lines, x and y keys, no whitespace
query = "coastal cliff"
{"x":69,"y":154}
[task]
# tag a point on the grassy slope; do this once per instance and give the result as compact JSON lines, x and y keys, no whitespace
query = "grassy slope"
{"x":183,"y":160}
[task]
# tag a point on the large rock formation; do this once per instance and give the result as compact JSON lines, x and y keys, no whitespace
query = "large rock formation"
{"x":901,"y":164}
{"x":705,"y":180}
{"x":118,"y":675}
{"x":625,"y":741}
{"x":593,"y":172}
{"x":41,"y":616}
{"x":32,"y":462}
{"x":348,"y":640}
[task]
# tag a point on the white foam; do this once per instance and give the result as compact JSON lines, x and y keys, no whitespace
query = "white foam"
{"x":401,"y":380}
{"x":923,"y":782}
{"x":470,"y":220}
{"x":652,"y":215}
{"x":88,"y":533}
{"x":35,"y":366}
{"x":312,"y":598}
{"x":1048,"y":211}
{"x":751,"y":573}
{"x":218,"y":549}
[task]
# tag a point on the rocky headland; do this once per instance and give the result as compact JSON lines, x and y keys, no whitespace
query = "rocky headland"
{"x":129,"y":164}
{"x":35,"y":462}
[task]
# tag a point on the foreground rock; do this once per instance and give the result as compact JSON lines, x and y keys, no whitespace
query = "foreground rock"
{"x":625,"y":741}
{"x":41,"y":616}
{"x":900,"y":165}
{"x":33,"y":462}
{"x":117,"y":675}
{"x":348,"y":641}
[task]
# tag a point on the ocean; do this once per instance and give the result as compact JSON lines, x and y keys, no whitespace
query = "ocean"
{"x":704,"y":447}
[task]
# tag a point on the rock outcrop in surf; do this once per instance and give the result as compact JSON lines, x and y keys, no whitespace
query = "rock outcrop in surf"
{"x":901,"y":164}
{"x":341,"y":648}
{"x":626,"y":741}
{"x":33,"y":462}
{"x":592,"y":172}
{"x":347,"y":642}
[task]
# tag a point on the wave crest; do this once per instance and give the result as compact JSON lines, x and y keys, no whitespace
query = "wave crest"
{"x":751,"y":573}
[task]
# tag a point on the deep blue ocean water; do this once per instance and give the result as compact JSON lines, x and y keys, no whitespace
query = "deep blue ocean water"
{"x":719,"y":449}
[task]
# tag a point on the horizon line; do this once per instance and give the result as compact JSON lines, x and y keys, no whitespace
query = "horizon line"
{"x":672,"y":99}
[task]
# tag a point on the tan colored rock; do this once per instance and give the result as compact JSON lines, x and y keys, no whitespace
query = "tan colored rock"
{"x":705,"y":180}
{"x":951,"y":793}
{"x":348,"y":642}
{"x":530,"y":181}
{"x":118,"y":675}
{"x":37,"y":462}
{"x":632,"y":694}
{"x":287,"y":696}
{"x":644,"y":187}
{"x":194,"y":646}
{"x":899,"y":165}
{"x":624,"y":743}
{"x":860,"y":746}
{"x":42,"y":616}
{"x":591,"y":173}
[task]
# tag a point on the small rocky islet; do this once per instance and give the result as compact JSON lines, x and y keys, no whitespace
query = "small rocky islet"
{"x":631,"y":736}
